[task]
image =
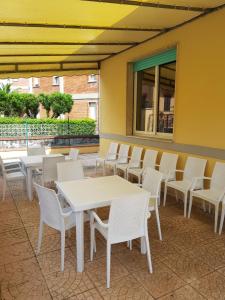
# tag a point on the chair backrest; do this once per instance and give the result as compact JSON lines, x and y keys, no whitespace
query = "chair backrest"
{"x":168,"y":163}
{"x":50,"y":209}
{"x":74,"y":152}
{"x":123,"y":153}
{"x":150,"y":158}
{"x":49,"y":167}
{"x":152,"y":182}
{"x":127,"y":218}
{"x":195,"y":167}
{"x":135,"y":157}
{"x":35,"y":151}
{"x":112,"y":151}
{"x":2,"y":168}
{"x":70,"y":170}
{"x":218,"y":176}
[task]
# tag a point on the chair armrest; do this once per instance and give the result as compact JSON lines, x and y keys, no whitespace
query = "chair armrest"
{"x":98,"y":220}
{"x":67,"y":214}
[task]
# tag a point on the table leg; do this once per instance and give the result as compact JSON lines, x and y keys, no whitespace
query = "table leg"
{"x":80,"y":240}
{"x":143,"y":246}
{"x":29,"y":184}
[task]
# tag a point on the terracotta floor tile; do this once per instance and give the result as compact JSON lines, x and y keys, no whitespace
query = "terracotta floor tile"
{"x":184,"y":293}
{"x":187,"y":267}
{"x":9,"y":238}
{"x":7,"y":205}
{"x":97,"y":270}
{"x":50,"y":262}
{"x":68,"y":283}
{"x":211,"y":286}
{"x":162,"y":281}
{"x":92,"y":294}
{"x":125,"y":288}
{"x":16,"y":253}
{"x":9,"y":224}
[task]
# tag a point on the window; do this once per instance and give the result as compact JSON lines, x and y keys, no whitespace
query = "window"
{"x":92,"y":78}
{"x":55,"y":80}
{"x":36,"y":82}
{"x":154,"y":92}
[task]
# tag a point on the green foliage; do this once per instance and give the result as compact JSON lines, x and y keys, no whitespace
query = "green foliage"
{"x":31,"y":104}
{"x":61,"y":103}
{"x":4,"y":104}
{"x":6,"y":88}
{"x":16,"y":105}
{"x":46,"y":101}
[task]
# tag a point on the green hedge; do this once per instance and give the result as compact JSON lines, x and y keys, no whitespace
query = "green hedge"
{"x":10,"y":127}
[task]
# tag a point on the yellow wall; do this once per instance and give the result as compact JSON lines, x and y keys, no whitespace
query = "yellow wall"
{"x":200,"y":88}
{"x":200,"y":84}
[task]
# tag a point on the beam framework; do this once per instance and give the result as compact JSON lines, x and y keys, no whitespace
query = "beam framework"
{"x":80,"y":27}
{"x":46,"y":70}
{"x":154,"y":5}
{"x":70,"y":43}
{"x":47,"y":63}
{"x":59,"y":54}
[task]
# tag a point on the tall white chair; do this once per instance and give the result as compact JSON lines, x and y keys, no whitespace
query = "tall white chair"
{"x":110,"y":156}
{"x":69,"y":170}
{"x":222,"y":216}
{"x":168,"y":165}
{"x":152,"y":183}
{"x":148,"y":161}
{"x":215,"y":193}
{"x":73,"y":155}
{"x":49,"y":168}
{"x":134,"y":162}
{"x":36,"y":151}
{"x":121,"y":159}
{"x":127,"y":221}
{"x":9,"y":175}
{"x":54,"y":216}
{"x":194,"y":167}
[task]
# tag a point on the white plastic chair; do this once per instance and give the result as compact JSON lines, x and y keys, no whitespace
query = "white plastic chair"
{"x":121,"y":159}
{"x":73,"y":155}
{"x":134,"y":162}
{"x":149,"y":161}
{"x":36,"y":151}
{"x":168,"y":165}
{"x":127,"y":221}
{"x":194,"y":168}
{"x":110,"y":156}
{"x":69,"y":170}
{"x":9,"y":175}
{"x":152,"y":183}
{"x":222,"y":216}
{"x":214,"y":194}
{"x":49,"y":168}
{"x":54,"y":216}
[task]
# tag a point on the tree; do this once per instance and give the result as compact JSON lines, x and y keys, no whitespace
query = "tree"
{"x":46,"y":101}
{"x":31,"y":104}
{"x":5,"y":108}
{"x":61,"y":104}
{"x":6,"y":88}
{"x":17,"y":105}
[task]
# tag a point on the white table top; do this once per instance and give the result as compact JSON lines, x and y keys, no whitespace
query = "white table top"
{"x":96,"y":192}
{"x":35,"y":160}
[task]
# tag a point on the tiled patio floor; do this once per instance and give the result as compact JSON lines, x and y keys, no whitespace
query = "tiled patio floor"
{"x":188,"y":264}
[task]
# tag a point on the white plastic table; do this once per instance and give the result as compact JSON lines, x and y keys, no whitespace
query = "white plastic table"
{"x":92,"y":193}
{"x":29,"y":164}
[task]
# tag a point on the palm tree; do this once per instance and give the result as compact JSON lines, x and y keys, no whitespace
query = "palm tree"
{"x":6,"y":88}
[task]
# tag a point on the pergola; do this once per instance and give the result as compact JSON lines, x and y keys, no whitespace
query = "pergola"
{"x":44,"y":38}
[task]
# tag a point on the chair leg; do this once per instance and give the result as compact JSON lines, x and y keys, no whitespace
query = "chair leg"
{"x":190,"y":205}
{"x":209,"y":208}
{"x":165,"y":192}
{"x":62,"y":249}
{"x":158,"y":221}
{"x":40,"y":236}
{"x":216,"y":217}
{"x":108,"y":257}
{"x":222,"y":219}
{"x":93,"y":244}
{"x":4,"y":189}
{"x":148,"y":253}
{"x":185,"y":203}
{"x":203,"y":206}
{"x":176,"y":195}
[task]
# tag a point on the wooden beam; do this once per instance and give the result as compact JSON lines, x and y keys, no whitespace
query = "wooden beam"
{"x":80,"y":27}
{"x":48,"y":63}
{"x":59,"y":54}
{"x":70,"y":43}
{"x":46,"y":70}
{"x":154,"y":5}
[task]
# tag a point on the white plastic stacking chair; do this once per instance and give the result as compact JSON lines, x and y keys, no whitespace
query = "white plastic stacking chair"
{"x":9,"y":175}
{"x":152,"y":183}
{"x":194,"y":168}
{"x":127,"y":221}
{"x":121,"y":159}
{"x":110,"y":156}
{"x":54,"y":216}
{"x":69,"y":170}
{"x":49,"y":168}
{"x":135,"y":161}
{"x":149,"y":161}
{"x":73,"y":155}
{"x":222,"y":216}
{"x":168,"y":165}
{"x":36,"y":151}
{"x":215,"y":193}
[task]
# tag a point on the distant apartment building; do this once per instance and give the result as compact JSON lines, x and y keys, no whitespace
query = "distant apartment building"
{"x":83,"y":88}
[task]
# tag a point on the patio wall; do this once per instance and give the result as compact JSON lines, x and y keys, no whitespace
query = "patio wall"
{"x":199,"y":124}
